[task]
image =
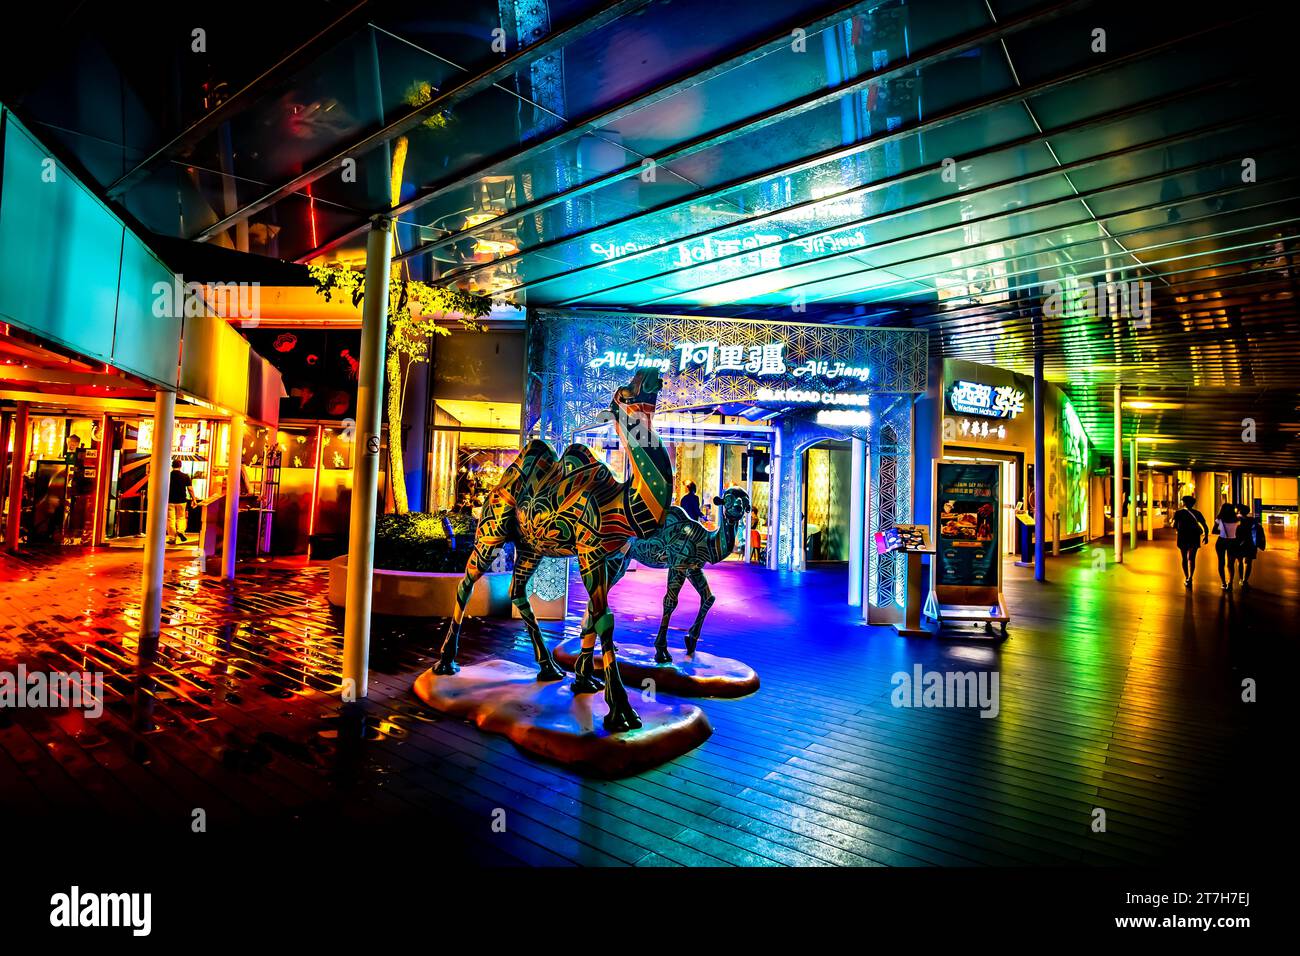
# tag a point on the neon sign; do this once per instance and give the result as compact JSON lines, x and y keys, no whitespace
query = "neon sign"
{"x":631,"y":362}
{"x":990,"y":401}
{"x":712,"y":357}
{"x":844,"y":416}
{"x":753,"y":359}
{"x":687,"y":254}
{"x":833,"y":370}
{"x":971,"y":429}
{"x":799,"y":396}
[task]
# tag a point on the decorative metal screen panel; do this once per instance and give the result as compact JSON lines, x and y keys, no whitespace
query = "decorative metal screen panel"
{"x":891,"y":496}
{"x":577,"y":359}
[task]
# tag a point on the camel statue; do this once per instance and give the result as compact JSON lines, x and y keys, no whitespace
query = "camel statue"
{"x":683,"y":547}
{"x":570,"y":507}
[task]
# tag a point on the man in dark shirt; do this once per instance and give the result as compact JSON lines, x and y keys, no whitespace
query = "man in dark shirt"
{"x":179,"y":494}
{"x":691,"y":502}
{"x":1192,"y":533}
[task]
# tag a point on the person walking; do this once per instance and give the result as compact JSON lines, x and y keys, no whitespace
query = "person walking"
{"x":1226,"y":526}
{"x":1192,"y":532}
{"x":179,"y":495}
{"x":691,"y":502}
{"x":1250,"y":540}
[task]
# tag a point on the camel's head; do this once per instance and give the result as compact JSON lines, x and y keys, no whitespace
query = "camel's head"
{"x":734,"y":504}
{"x":638,"y":397}
{"x":642,"y":390}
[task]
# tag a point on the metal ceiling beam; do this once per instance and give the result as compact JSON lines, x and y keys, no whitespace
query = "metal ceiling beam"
{"x":1038,"y":207}
{"x":886,"y":266}
{"x":728,"y":61}
{"x":445,"y":99}
{"x":848,"y":192}
{"x":1278,"y":326}
{"x":242,"y":98}
{"x":945,"y":50}
{"x":1037,"y":272}
{"x":1109,"y":271}
{"x":940,"y":320}
{"x":938,"y":121}
{"x":904,"y":212}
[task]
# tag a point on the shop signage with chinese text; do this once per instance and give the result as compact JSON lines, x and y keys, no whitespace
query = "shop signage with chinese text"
{"x":990,"y":401}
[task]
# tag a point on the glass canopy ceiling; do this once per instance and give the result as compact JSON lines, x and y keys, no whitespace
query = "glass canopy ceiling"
{"x":934,"y":163}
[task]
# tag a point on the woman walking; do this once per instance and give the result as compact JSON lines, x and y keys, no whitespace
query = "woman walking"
{"x":1226,"y":526}
{"x":1192,"y":533}
{"x":1250,"y":538}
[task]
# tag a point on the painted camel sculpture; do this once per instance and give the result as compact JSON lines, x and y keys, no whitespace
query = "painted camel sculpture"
{"x":683,"y":547}
{"x":570,"y":507}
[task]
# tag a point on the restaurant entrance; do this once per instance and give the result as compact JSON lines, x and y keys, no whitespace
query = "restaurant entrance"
{"x":60,"y":465}
{"x":713,"y":452}
{"x":827,"y":496}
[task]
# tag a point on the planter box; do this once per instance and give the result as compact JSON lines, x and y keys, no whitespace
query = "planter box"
{"x":424,"y":593}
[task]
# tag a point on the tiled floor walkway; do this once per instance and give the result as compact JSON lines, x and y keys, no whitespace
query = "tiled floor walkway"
{"x":1119,"y":690}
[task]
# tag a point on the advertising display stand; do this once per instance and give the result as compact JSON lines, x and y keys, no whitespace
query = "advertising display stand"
{"x":1025,"y":529}
{"x":914,"y":541}
{"x":966,"y":571}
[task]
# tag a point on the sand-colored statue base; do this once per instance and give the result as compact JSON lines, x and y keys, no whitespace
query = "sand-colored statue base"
{"x":547,"y":719}
{"x":702,"y":675}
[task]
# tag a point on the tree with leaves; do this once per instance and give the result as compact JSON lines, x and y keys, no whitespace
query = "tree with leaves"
{"x":414,"y":309}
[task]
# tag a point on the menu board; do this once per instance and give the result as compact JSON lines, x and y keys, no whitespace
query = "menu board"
{"x":903,"y":537}
{"x":966,"y":524}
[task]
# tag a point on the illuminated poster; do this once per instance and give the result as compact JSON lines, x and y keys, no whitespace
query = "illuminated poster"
{"x":967,"y":524}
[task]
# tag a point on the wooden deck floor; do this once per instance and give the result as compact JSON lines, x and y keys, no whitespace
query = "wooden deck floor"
{"x":1119,"y":690}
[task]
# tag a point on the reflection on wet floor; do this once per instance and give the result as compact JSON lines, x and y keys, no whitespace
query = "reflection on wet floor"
{"x":1116,"y":688}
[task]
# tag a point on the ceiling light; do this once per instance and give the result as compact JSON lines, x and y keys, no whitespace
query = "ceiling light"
{"x":1143,"y":405}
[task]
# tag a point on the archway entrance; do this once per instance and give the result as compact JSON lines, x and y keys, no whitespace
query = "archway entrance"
{"x":827,"y":501}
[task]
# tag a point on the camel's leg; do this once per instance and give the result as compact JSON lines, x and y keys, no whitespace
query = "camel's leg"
{"x":595,"y":577}
{"x":701,"y":584}
{"x":479,"y":562}
{"x":676,"y":579}
{"x":584,"y":669}
{"x":585,"y":680}
{"x":525,"y":564}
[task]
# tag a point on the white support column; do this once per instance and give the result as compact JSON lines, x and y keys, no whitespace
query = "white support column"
{"x":775,"y":506}
{"x":749,"y":494}
{"x":798,"y":536}
{"x":1151,"y":515}
{"x":1040,"y":468}
{"x":1117,"y":497}
{"x":868,"y":549}
{"x":857,"y":520}
{"x":365,"y":462}
{"x":234,"y":482}
{"x":1133,"y":491}
{"x":155,"y":533}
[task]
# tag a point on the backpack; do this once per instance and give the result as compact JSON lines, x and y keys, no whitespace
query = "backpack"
{"x":1257,"y":535}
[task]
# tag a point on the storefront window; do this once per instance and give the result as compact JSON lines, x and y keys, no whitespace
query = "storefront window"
{"x":48,"y":437}
{"x":336,"y":449}
{"x":473,"y":443}
{"x":1075,"y":471}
